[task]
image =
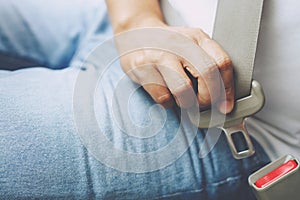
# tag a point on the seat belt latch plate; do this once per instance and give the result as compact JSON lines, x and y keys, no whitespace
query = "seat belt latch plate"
{"x":234,"y":121}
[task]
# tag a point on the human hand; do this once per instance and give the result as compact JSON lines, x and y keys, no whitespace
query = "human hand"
{"x":163,"y":75}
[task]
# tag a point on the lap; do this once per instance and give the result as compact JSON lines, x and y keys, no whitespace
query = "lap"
{"x":44,"y":156}
{"x":48,"y":152}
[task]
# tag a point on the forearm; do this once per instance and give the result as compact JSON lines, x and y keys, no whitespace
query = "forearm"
{"x":129,"y":14}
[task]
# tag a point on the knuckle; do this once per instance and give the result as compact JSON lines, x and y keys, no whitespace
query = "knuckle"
{"x":140,"y":60}
{"x":151,"y":57}
{"x":160,"y":57}
{"x":201,"y":36}
{"x":225,"y":64}
{"x":164,"y":99}
{"x":199,"y":31}
{"x":206,"y":40}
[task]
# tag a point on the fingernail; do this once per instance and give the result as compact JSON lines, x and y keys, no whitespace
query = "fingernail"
{"x":225,"y":107}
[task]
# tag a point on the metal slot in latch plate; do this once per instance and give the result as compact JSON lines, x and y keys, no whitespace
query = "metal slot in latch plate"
{"x":234,"y":122}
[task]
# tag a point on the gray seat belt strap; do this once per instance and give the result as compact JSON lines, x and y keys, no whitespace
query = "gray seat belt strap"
{"x":236,"y":29}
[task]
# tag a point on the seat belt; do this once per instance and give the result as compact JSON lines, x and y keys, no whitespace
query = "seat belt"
{"x":236,"y":29}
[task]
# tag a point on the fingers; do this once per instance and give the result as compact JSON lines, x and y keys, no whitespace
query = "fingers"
{"x":159,"y":93}
{"x":153,"y":83}
{"x":148,"y":77}
{"x":177,"y":80}
{"x":208,"y":79}
{"x":226,"y":103}
{"x":162,"y":76}
{"x":223,"y":62}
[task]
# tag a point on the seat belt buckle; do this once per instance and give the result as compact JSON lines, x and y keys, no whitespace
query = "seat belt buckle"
{"x":234,"y":121}
{"x":278,"y":180}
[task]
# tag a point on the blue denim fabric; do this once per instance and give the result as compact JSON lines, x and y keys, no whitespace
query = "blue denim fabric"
{"x":42,"y":155}
{"x":49,"y":32}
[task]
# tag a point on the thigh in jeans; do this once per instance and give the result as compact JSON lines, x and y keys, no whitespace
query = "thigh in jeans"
{"x":49,"y":32}
{"x":43,"y":155}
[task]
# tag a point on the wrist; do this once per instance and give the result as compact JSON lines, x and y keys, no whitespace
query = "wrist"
{"x":138,"y":22}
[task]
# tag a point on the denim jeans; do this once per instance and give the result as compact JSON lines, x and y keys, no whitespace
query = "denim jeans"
{"x":42,"y":153}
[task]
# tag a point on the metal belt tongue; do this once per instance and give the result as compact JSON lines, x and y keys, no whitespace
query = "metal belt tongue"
{"x":236,"y":28}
